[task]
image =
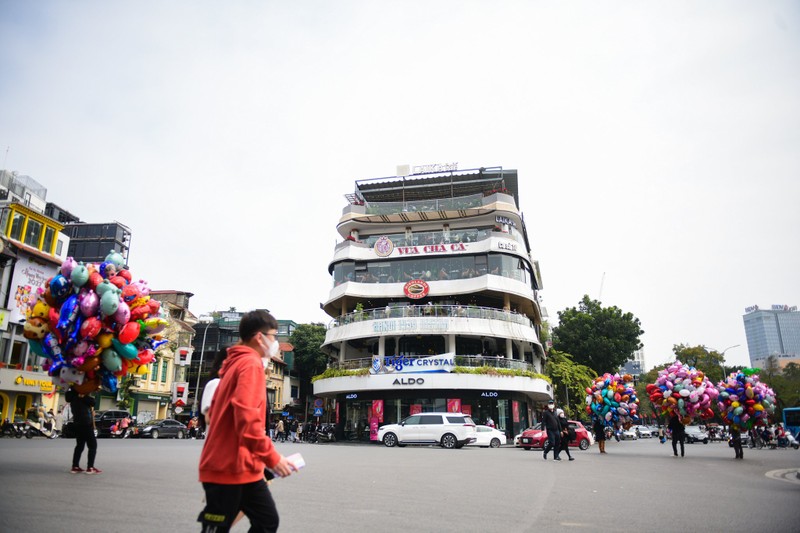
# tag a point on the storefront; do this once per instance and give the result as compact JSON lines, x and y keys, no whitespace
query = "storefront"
{"x":20,"y":389}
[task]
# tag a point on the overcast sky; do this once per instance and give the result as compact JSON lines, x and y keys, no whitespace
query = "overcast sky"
{"x":657,"y":143}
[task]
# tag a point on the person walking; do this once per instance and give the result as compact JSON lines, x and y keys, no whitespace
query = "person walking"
{"x":567,"y":433}
{"x":678,"y":434}
{"x":599,"y":433}
{"x":237,"y":451}
{"x":82,"y":407}
{"x":736,"y":441}
{"x":280,"y":431}
{"x":551,"y":424}
{"x":293,"y":431}
{"x":661,"y":435}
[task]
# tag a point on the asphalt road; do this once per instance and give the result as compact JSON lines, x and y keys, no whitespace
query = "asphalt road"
{"x":152,"y":486}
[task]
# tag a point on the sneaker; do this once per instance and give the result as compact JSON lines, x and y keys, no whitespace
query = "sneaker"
{"x":93,"y":470}
{"x":571,"y":458}
{"x":76,"y":470}
{"x":556,"y":458}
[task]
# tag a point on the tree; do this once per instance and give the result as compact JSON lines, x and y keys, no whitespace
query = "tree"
{"x":570,"y":380}
{"x":602,"y":338}
{"x":310,"y":360}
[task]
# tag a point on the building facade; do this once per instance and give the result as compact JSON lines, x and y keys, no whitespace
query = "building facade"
{"x":772,"y":332}
{"x":434,"y":304}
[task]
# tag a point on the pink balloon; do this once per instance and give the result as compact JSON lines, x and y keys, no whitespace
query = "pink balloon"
{"x":89,"y":302}
{"x":123,"y":313}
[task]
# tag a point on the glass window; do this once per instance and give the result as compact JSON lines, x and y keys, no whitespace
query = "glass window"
{"x":59,"y":246}
{"x":17,"y":221}
{"x":431,"y":419}
{"x":33,"y":232}
{"x":49,"y":237}
{"x":154,"y":371}
{"x":164,"y":366}
{"x":413,"y":419}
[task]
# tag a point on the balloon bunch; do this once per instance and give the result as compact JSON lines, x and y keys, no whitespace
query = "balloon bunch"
{"x":744,"y":401}
{"x":683,"y":391}
{"x":94,"y":324}
{"x":613,"y":400}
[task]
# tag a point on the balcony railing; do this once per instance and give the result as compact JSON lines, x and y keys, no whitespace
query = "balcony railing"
{"x":440,"y":204}
{"x":473,"y":361}
{"x":431,"y":311}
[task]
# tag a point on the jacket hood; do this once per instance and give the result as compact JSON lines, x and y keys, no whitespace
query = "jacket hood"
{"x":235,"y":353}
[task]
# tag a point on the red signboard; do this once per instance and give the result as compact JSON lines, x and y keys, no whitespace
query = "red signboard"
{"x":454,"y":405}
{"x":515,"y":410}
{"x":466,"y":409}
{"x":415,"y":409}
{"x":377,"y":409}
{"x":416,"y":289}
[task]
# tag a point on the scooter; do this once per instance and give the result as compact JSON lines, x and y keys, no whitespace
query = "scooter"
{"x":785,"y":442}
{"x":34,"y":429}
{"x":10,"y":429}
{"x":326,"y":433}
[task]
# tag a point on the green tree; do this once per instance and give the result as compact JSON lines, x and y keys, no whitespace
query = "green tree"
{"x":570,"y":380}
{"x":310,"y":360}
{"x":602,"y":338}
{"x":711,"y":362}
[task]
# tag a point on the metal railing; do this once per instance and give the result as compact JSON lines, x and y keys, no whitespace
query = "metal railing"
{"x":436,"y":204}
{"x":472,"y":361}
{"x":431,"y":311}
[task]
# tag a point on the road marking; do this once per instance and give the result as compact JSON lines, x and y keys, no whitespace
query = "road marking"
{"x":789,"y":475}
{"x":575,"y":524}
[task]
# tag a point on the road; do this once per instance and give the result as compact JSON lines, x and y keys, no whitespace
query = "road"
{"x":152,"y":486}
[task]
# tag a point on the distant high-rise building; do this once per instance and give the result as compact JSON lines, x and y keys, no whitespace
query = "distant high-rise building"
{"x":774,"y":331}
{"x":635,"y":365}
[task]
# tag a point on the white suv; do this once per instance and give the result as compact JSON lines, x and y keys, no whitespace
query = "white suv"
{"x":450,"y":430}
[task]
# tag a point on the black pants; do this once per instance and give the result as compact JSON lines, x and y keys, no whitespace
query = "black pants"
{"x":223,"y":503}
{"x":84,"y":436}
{"x":675,"y":441}
{"x":553,"y":442}
{"x":737,"y":447}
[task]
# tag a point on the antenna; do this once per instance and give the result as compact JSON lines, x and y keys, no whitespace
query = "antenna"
{"x":602,"y":281}
{"x":6,"y":157}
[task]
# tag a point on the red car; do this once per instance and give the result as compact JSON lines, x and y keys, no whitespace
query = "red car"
{"x":536,"y":437}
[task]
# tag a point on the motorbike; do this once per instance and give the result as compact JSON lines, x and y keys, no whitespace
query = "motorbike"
{"x":326,"y":433}
{"x":12,"y":429}
{"x":785,"y":442}
{"x":34,"y":429}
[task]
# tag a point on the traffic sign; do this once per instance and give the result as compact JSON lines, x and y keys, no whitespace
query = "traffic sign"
{"x":318,"y":411}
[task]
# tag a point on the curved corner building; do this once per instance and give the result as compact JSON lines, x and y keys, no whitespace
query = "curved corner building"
{"x":435,"y":296}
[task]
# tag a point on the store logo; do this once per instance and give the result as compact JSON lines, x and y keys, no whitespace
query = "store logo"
{"x":383,"y":247}
{"x":408,"y":381}
{"x":416,"y":289}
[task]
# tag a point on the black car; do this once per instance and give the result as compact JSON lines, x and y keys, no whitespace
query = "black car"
{"x":166,"y":427}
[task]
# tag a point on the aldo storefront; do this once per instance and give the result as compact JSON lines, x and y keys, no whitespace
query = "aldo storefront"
{"x":403,"y":386}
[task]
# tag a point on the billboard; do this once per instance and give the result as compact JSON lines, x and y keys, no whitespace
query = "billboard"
{"x":30,"y":278}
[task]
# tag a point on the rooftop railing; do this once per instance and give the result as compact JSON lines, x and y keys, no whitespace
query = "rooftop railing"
{"x":431,"y":311}
{"x":436,"y":204}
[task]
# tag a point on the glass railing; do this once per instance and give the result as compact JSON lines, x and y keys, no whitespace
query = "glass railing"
{"x":436,"y":204}
{"x":473,"y":361}
{"x":431,"y":311}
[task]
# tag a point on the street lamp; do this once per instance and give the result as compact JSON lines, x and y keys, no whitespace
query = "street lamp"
{"x":722,"y":357}
{"x":207,"y":322}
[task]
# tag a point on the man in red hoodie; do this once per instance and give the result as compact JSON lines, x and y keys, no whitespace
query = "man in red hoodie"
{"x":237,"y":448}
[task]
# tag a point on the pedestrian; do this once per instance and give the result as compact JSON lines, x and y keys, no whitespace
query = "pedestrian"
{"x":551,"y":424}
{"x":293,"y":430}
{"x":300,"y":431}
{"x":235,"y":454}
{"x":736,"y":441}
{"x":211,"y":385}
{"x":123,"y":424}
{"x":567,"y":433}
{"x":489,"y":421}
{"x":600,"y":433}
{"x":678,"y":434}
{"x":279,"y":431}
{"x":661,"y":436}
{"x":82,"y":407}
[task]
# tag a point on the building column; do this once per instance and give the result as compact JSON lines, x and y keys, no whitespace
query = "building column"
{"x":451,"y":343}
{"x":342,"y":350}
{"x":509,"y":349}
{"x":382,"y":346}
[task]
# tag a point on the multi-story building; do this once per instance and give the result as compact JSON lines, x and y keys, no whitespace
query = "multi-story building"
{"x":221,"y":332}
{"x":635,"y":365}
{"x":91,"y":242}
{"x":772,"y":332}
{"x":434,"y":293}
{"x":32,"y":248}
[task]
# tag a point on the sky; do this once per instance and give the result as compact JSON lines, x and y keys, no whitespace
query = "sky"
{"x":657,"y":144}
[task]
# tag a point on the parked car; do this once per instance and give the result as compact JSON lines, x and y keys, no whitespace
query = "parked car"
{"x":644,"y":432}
{"x":536,"y":436}
{"x":165,"y":427}
{"x":695,"y":434}
{"x":490,"y":437}
{"x":103,"y":420}
{"x":450,"y":430}
{"x":629,"y":434}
